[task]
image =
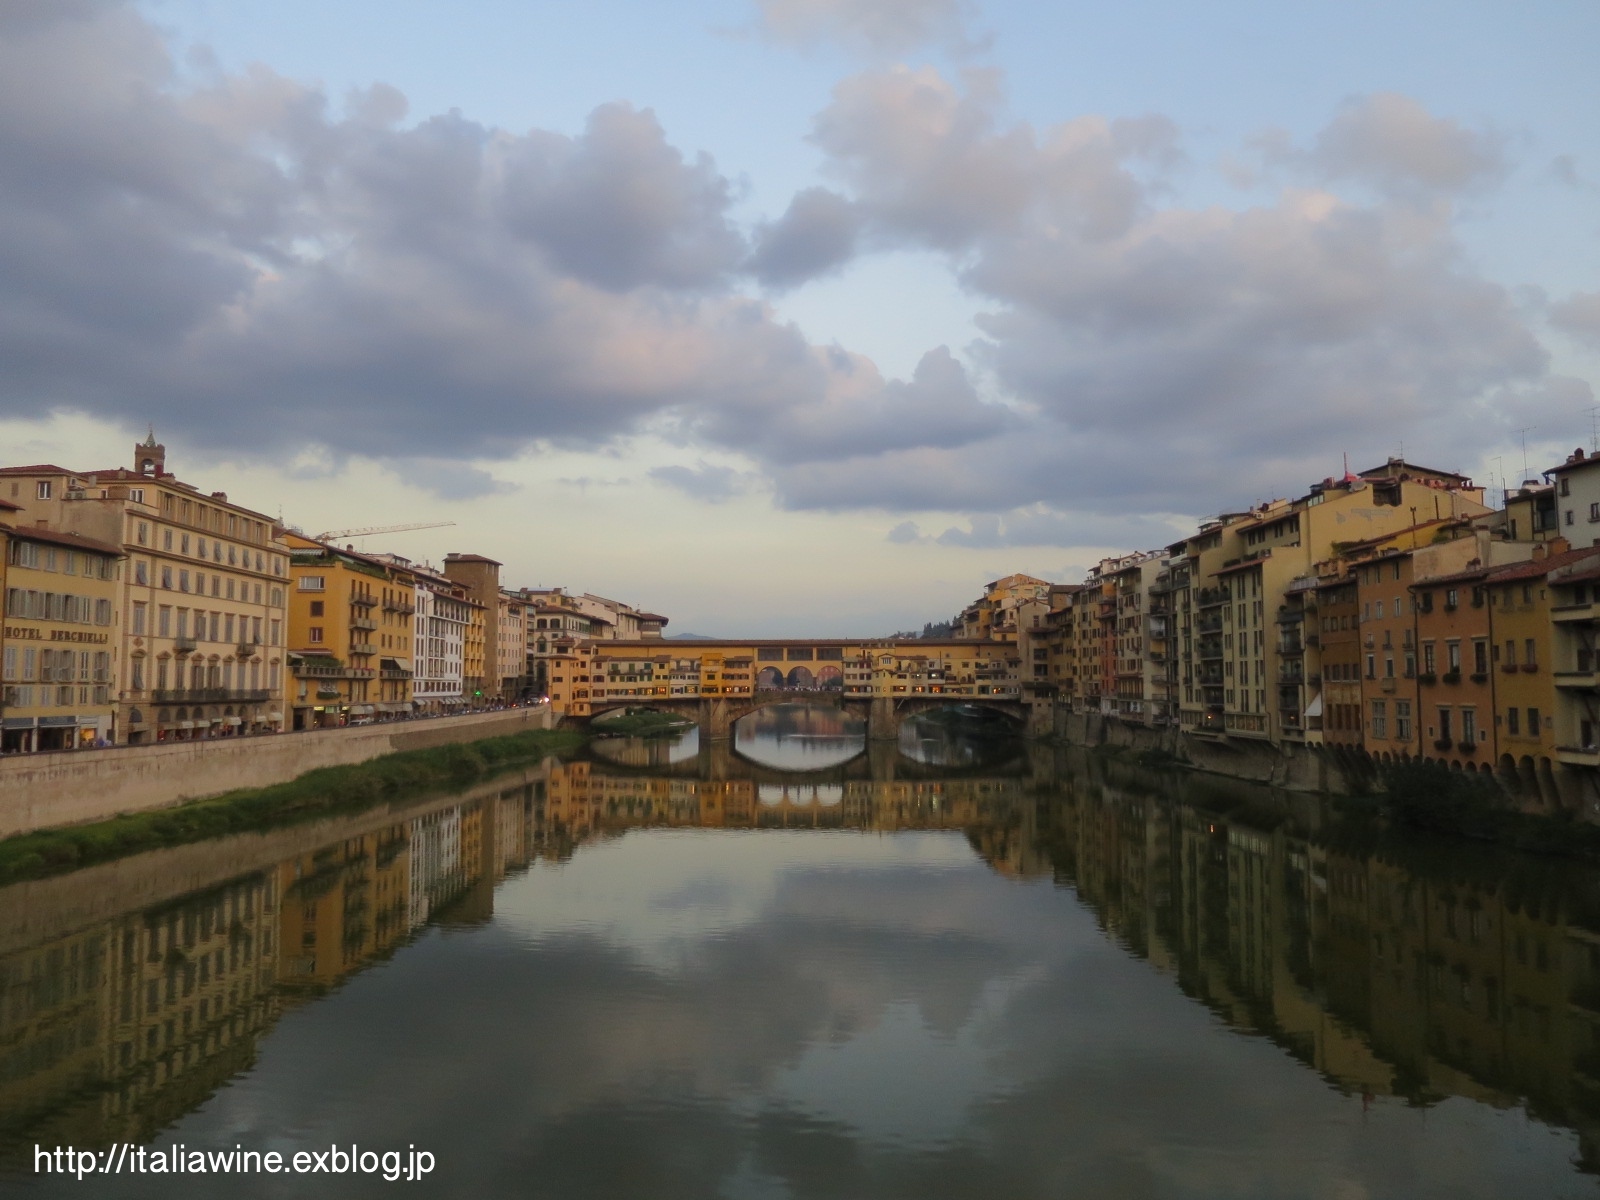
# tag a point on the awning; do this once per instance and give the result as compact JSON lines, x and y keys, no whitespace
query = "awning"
{"x":274,"y":716}
{"x":1314,"y":709}
{"x":17,"y":722}
{"x":185,"y":724}
{"x":360,"y":710}
{"x":232,"y":720}
{"x":58,"y":722}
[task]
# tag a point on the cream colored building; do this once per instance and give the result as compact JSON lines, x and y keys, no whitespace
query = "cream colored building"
{"x":202,"y":606}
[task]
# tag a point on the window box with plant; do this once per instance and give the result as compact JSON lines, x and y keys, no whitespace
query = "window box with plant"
{"x":1452,"y":676}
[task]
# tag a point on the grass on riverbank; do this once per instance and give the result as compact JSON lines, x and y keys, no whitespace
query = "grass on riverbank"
{"x":316,"y":793}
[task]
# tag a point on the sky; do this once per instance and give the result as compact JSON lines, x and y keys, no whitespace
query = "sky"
{"x":795,"y":317}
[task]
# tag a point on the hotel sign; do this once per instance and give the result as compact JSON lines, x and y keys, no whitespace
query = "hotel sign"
{"x":22,"y":633}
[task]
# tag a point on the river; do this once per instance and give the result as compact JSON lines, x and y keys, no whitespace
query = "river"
{"x":799,"y":966}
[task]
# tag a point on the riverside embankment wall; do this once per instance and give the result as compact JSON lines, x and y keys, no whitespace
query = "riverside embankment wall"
{"x":1295,"y":768}
{"x":43,"y":791}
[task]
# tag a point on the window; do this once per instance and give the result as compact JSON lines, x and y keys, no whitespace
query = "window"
{"x":183,"y":581}
{"x":1402,"y":720}
{"x":1566,"y":486}
{"x":316,"y":608}
{"x":1372,"y":666}
{"x":312,"y":583}
{"x":1567,"y":515}
{"x":1529,"y":657}
{"x":1480,"y":657}
{"x":1452,"y":651}
{"x":1511,"y":652}
{"x":314,"y":635}
{"x":137,"y":496}
{"x":1378,"y":611}
{"x":42,"y":490}
{"x":1533,"y":722}
{"x":166,"y":578}
{"x":1594,"y":511}
{"x":1444,"y":725}
{"x":166,"y":539}
{"x":164,"y":621}
{"x":1513,"y":720}
{"x":1452,"y":598}
{"x":1379,"y":720}
{"x":1469,"y":725}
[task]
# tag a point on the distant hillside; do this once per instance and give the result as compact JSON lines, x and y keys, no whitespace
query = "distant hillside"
{"x":692,"y":637}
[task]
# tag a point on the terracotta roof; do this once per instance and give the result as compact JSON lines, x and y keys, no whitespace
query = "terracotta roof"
{"x":644,"y":616}
{"x":1542,"y":566}
{"x":38,"y":469}
{"x":474,"y":558}
{"x":10,"y":507}
{"x":36,"y":533}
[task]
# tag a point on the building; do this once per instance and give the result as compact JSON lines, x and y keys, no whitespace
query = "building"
{"x":993,"y":616}
{"x":482,"y":649}
{"x":444,"y":615}
{"x":351,"y":637}
{"x":59,"y":640}
{"x":203,"y":594}
{"x":1577,"y":498}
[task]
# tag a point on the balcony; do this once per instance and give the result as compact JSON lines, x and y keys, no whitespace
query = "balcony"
{"x":208,"y":696}
{"x":1575,"y":612}
{"x":399,"y":606}
{"x":183,"y":644}
{"x":1291,"y":616}
{"x":1578,"y":679}
{"x":388,"y":673}
{"x":363,"y":623}
{"x":362,"y":600}
{"x":363,"y":648}
{"x":1579,"y":756}
{"x":246,"y":649}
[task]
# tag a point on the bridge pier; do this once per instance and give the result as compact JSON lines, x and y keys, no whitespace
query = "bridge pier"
{"x":716,"y":723}
{"x":883,"y":721}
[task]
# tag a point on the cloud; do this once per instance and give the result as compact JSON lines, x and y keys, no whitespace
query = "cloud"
{"x":869,"y":26}
{"x":238,"y":261}
{"x":1392,"y":142}
{"x":905,"y":533}
{"x":1150,"y":349}
{"x":709,"y":482}
{"x":449,"y":480}
{"x":1579,"y":316}
{"x":816,"y":235}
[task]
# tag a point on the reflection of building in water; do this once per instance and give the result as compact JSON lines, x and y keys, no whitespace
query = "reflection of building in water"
{"x":111,"y":1033}
{"x":1472,"y":973}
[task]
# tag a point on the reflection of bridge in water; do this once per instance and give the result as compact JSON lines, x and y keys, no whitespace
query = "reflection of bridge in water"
{"x":883,"y":762}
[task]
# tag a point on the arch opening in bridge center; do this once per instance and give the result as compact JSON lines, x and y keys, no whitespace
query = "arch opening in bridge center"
{"x":769,"y":678}
{"x":800,"y":735}
{"x":955,"y":733}
{"x":801,"y":677}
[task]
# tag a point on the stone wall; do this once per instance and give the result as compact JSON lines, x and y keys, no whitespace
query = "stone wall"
{"x":42,"y":791}
{"x":1296,"y":768}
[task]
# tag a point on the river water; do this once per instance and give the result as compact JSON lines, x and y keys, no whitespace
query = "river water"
{"x":798,"y":967}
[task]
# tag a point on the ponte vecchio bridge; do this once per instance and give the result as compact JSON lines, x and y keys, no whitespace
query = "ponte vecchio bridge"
{"x":715,"y":683}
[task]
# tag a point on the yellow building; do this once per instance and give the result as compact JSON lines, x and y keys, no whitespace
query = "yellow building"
{"x":1531,"y":722}
{"x":350,"y":635}
{"x":202,"y":600}
{"x":59,"y":640}
{"x":993,"y":616}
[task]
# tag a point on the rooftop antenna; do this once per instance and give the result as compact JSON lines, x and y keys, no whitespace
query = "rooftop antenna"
{"x":1594,"y":428}
{"x":1523,"y":434}
{"x":1500,"y":472}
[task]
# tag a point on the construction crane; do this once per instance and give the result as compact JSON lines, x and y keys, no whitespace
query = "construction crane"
{"x":372,"y":529}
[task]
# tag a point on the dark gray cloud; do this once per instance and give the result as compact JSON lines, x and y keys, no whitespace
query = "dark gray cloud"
{"x":270,"y":273}
{"x":817,"y":234}
{"x":1150,"y":348}
{"x":706,"y":481}
{"x":240,"y":262}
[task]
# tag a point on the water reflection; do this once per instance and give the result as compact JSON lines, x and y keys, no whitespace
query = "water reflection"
{"x":800,"y":737}
{"x":960,"y":736}
{"x":662,"y":750}
{"x":1035,"y":988}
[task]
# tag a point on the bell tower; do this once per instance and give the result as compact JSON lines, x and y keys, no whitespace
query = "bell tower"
{"x":149,"y":456}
